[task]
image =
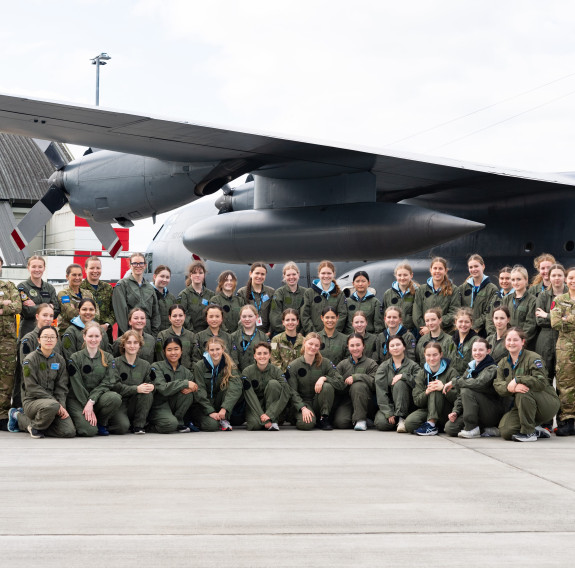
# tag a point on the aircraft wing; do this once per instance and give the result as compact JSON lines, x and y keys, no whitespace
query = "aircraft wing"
{"x":398,"y":175}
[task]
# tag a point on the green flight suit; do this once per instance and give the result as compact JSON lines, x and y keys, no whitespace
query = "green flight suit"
{"x":91,"y":380}
{"x":333,"y":348}
{"x":532,"y":408}
{"x":498,"y":350}
{"x":522,"y":312}
{"x":135,"y":406}
{"x":265,"y":392}
{"x":313,"y":304}
{"x":44,"y":390}
{"x":128,"y":294}
{"x":165,"y":301}
{"x":243,"y":346}
{"x":8,"y":343}
{"x":262,"y":303}
{"x":203,"y":336}
{"x":283,"y":299}
{"x":426,"y":297}
{"x":370,"y":306}
{"x":72,"y":340}
{"x":547,"y":338}
{"x":147,"y":351}
{"x":480,"y":301}
{"x":394,"y":400}
{"x":382,"y":354}
{"x":461,"y":356}
{"x":356,"y":401}
{"x":46,"y":294}
{"x":194,"y":307}
{"x":445,"y":340}
{"x":394,"y":297}
{"x":231,"y":306}
{"x":188,"y":339}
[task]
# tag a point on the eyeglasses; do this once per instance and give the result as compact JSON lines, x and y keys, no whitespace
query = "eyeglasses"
{"x":49,"y":338}
{"x":137,"y":263}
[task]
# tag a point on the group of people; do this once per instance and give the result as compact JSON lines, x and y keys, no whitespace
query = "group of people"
{"x":470,"y":360}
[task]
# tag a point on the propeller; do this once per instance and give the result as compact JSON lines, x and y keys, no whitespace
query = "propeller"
{"x":53,"y":200}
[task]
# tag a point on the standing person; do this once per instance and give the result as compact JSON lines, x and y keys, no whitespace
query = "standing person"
{"x":437,"y":292}
{"x":217,"y":376}
{"x":44,"y":391}
{"x":72,"y":337}
{"x":214,"y":316}
{"x":287,"y":345}
{"x":478,"y":406}
{"x":394,"y":382}
{"x":362,"y":299}
{"x":177,"y":318}
{"x":359,"y":325}
{"x":433,"y":324}
{"x":433,"y":405}
{"x":71,"y":296}
{"x":102,"y":293}
{"x":541,"y":281}
{"x":505,"y":286}
{"x":246,"y":337}
{"x":175,"y":392}
{"x":464,"y":337}
{"x":137,"y":322}
{"x":355,"y":404}
{"x":478,"y":293}
{"x":166,"y":299}
{"x":324,"y":292}
{"x":522,"y":376}
{"x":547,"y":338}
{"x":314,"y":381}
{"x":291,"y":295}
{"x":91,"y":402}
{"x":402,"y":294}
{"x":563,"y":321}
{"x":393,"y":327}
{"x":266,"y":391}
{"x":521,"y":305}
{"x":333,"y":343}
{"x":10,"y":305}
{"x":34,"y":292}
{"x":134,"y":291}
{"x":258,"y":295}
{"x":195,"y":296}
{"x":225,"y":296}
{"x":501,"y":318}
{"x":134,"y":384}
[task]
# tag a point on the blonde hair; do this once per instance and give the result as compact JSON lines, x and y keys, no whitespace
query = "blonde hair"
{"x":291,"y":265}
{"x":313,"y":335}
{"x":35,"y":257}
{"x":521,"y":270}
{"x":406,"y":266}
{"x":90,"y":325}
{"x":126,"y":336}
{"x":230,"y":365}
{"x":464,"y":312}
{"x":537,"y":279}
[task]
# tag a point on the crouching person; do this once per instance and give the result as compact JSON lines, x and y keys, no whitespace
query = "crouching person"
{"x":523,"y":376}
{"x":134,"y":383}
{"x":266,"y":391}
{"x":44,"y":390}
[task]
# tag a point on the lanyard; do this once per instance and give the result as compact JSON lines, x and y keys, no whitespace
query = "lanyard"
{"x":244,"y":346}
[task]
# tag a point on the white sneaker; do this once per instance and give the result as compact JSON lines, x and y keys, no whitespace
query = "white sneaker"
{"x":401,"y":426}
{"x":475,"y":433}
{"x":360,"y":425}
{"x":274,"y":426}
{"x":224,"y":425}
{"x":491,"y":432}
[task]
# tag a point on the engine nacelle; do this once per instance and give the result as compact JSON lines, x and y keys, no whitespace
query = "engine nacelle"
{"x":366,"y":231}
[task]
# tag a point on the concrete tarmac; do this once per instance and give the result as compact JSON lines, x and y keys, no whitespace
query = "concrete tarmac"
{"x":284,"y":499}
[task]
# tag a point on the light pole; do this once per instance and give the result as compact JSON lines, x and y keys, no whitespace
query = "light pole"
{"x":97,"y":61}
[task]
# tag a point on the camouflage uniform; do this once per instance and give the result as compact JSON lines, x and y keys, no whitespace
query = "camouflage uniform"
{"x":128,"y":294}
{"x":355,"y":403}
{"x":370,"y":306}
{"x":46,"y":294}
{"x":69,"y":307}
{"x":565,"y":371}
{"x":8,"y":353}
{"x":44,"y":390}
{"x":147,"y":352}
{"x":91,"y":380}
{"x":103,"y":295}
{"x":135,"y":406}
{"x":231,"y":306}
{"x":284,"y":351}
{"x":315,"y":300}
{"x":265,"y":392}
{"x":194,"y":305}
{"x":188,"y":339}
{"x":547,"y":338}
{"x":73,"y":341}
{"x":202,"y":338}
{"x":283,"y":299}
{"x":165,"y":301}
{"x":262,"y":303}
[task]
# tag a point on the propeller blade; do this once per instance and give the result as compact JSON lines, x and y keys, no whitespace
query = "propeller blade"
{"x":107,"y":236}
{"x":53,"y":152}
{"x":38,"y":216}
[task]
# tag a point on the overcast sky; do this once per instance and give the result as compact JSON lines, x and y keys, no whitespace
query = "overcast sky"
{"x":486,"y":81}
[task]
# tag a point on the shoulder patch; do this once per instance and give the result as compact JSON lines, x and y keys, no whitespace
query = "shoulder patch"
{"x":351,"y":307}
{"x":317,"y":299}
{"x":538,"y":363}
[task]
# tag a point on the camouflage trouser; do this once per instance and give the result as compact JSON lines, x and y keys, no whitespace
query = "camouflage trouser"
{"x":565,"y":374}
{"x":7,"y":369}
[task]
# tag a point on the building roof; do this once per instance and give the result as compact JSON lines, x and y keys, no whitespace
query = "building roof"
{"x":24,"y":169}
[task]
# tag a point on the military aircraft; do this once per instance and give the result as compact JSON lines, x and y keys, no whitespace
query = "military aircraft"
{"x":304,"y":200}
